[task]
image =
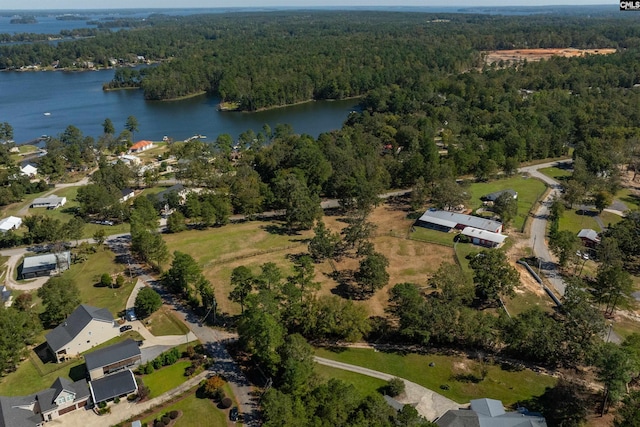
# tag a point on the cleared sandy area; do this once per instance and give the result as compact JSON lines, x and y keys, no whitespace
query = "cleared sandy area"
{"x":518,"y":55}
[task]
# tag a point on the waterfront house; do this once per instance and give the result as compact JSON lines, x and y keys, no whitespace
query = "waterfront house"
{"x":140,"y":146}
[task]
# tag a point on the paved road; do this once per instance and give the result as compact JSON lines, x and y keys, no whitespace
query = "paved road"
{"x":538,"y":231}
{"x":428,"y":403}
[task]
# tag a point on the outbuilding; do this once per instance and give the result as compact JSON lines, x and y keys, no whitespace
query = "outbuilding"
{"x":10,"y":223}
{"x":112,"y":386}
{"x":484,"y":237}
{"x":51,"y":202}
{"x":44,"y":265}
{"x":445,"y":221}
{"x":589,"y":237}
{"x":112,"y":359}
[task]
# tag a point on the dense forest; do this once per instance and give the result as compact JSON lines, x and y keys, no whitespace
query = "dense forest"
{"x":262,"y":60}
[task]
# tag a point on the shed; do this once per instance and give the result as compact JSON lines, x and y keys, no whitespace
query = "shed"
{"x":10,"y":223}
{"x":589,"y":237}
{"x":43,"y":265}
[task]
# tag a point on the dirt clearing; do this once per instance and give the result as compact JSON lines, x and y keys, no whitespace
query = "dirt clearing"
{"x":519,"y":55}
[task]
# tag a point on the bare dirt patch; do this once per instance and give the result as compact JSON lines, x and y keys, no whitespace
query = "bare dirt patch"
{"x":519,"y":55}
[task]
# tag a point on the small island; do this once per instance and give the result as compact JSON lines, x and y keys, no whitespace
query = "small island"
{"x":24,"y":20}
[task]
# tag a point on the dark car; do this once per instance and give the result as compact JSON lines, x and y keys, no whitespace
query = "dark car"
{"x":233,"y":414}
{"x":125,"y":328}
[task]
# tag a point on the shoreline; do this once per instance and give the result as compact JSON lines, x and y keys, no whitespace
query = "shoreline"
{"x":275,"y":107}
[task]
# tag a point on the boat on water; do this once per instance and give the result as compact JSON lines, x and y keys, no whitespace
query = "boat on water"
{"x":47,"y":114}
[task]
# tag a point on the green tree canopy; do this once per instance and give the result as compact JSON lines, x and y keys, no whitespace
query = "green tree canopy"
{"x":147,"y":302}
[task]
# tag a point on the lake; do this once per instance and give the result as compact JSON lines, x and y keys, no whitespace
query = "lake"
{"x":77,"y":98}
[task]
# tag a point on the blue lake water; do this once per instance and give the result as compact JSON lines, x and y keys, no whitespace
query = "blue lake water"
{"x":77,"y":98}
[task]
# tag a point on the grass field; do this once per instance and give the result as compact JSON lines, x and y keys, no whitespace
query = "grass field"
{"x":556,"y":173}
{"x":629,"y":198}
{"x":163,"y":322}
{"x":456,"y":372}
{"x":167,"y":378}
{"x":87,"y":274}
{"x":432,"y":236}
{"x":529,"y":190}
{"x":364,"y":384}
{"x":194,"y":413}
{"x":575,"y":222}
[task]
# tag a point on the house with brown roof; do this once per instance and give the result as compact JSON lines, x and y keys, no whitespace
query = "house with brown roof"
{"x":140,"y":146}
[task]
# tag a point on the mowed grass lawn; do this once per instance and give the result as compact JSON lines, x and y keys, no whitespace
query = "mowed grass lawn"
{"x":232,"y":241}
{"x":67,"y":212}
{"x":364,"y":384}
{"x":573,"y":221}
{"x":26,"y":379}
{"x":508,"y":386}
{"x":529,"y":191}
{"x":167,"y":378}
{"x":163,"y":322}
{"x":87,"y":274}
{"x":556,"y":173}
{"x":195,"y":412}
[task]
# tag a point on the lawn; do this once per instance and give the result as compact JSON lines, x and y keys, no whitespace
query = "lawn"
{"x":559,"y":174}
{"x":462,"y":250}
{"x":432,"y":236}
{"x":167,"y":378}
{"x":525,"y":299}
{"x":87,"y":274}
{"x":163,"y":322}
{"x":67,"y":212}
{"x":575,"y":222}
{"x":233,"y":241}
{"x":27,"y":379}
{"x":629,"y":198}
{"x":454,"y":372}
{"x":194,"y":413}
{"x":529,"y":191}
{"x":609,"y":218}
{"x":365,"y":385}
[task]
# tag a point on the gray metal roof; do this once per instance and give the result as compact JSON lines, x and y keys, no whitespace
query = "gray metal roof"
{"x":52,"y":200}
{"x":489,"y":413}
{"x":76,"y":322}
{"x":458,"y":418}
{"x":112,"y":354}
{"x":113,"y":385}
{"x":18,"y":412}
{"x":46,"y":262}
{"x":590,"y":234}
{"x":458,"y":218}
{"x":484,"y":235}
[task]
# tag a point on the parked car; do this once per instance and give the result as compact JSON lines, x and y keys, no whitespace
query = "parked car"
{"x":125,"y":328}
{"x":233,"y":414}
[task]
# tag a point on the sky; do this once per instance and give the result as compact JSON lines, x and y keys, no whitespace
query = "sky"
{"x":182,"y":4}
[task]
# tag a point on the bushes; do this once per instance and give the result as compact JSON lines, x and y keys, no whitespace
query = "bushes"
{"x":226,"y":403}
{"x":132,"y":397}
{"x":165,"y":359}
{"x":394,"y":387}
{"x":173,"y":415}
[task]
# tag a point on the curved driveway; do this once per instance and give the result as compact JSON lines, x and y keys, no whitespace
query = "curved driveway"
{"x":428,"y":403}
{"x":538,"y":230}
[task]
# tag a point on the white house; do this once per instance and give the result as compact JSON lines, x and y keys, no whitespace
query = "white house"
{"x":51,"y":202}
{"x":140,"y":146}
{"x":127,"y":194}
{"x":130,"y":159}
{"x":85,"y":328}
{"x":29,"y":170}
{"x":10,"y":223}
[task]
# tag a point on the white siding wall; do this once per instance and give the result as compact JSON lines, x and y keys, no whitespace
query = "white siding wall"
{"x":95,"y":333}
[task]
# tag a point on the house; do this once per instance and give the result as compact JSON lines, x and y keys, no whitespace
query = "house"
{"x":445,"y":221}
{"x":484,"y":237}
{"x":589,"y":237}
{"x":62,"y":397}
{"x":127,"y":194}
{"x":29,"y":170}
{"x":114,"y":358}
{"x":85,"y":328}
{"x":140,"y":146}
{"x":112,"y":386}
{"x":34,"y":410}
{"x":10,"y":223}
{"x":130,"y":160}
{"x":45,"y":265}
{"x":50,"y":202}
{"x":492,"y":197}
{"x":490,"y":413}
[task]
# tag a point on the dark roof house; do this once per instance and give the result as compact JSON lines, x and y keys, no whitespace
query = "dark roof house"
{"x":86,"y":327}
{"x":29,"y":411}
{"x":490,"y":413}
{"x":112,"y":386}
{"x":114,"y":358}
